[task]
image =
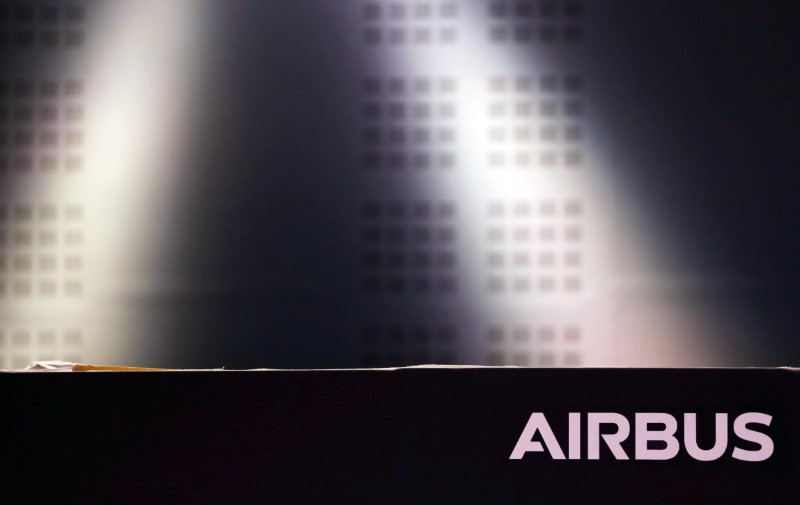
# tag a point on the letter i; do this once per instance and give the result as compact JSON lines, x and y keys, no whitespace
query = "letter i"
{"x":574,"y":435}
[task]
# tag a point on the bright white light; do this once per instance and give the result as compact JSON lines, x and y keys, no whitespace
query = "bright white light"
{"x":621,"y":330}
{"x":142,"y":62}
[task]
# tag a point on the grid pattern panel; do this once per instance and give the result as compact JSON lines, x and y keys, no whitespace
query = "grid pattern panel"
{"x":536,"y":123}
{"x":535,"y":21}
{"x":541,"y":345}
{"x":33,"y":24}
{"x":20,"y":345}
{"x":535,"y":248}
{"x":419,"y":22}
{"x":405,"y":345}
{"x":409,"y":248}
{"x":41,"y":126}
{"x":41,"y":251}
{"x":409,"y":123}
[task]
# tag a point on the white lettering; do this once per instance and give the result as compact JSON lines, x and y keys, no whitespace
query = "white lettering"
{"x":720,"y":438}
{"x":574,"y":435}
{"x":537,"y":422}
{"x":645,"y":435}
{"x":613,"y":440}
{"x":742,"y":431}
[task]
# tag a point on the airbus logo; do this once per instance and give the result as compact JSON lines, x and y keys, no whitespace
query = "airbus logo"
{"x":612,"y":429}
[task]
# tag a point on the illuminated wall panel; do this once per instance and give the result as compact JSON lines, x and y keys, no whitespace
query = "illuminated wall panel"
{"x":469,"y":104}
{"x":43,"y":211}
{"x":535,"y":249}
{"x":404,"y":344}
{"x":541,"y":344}
{"x":41,"y":128}
{"x":419,"y":23}
{"x":29,"y":25}
{"x":369,"y":183}
{"x":409,"y":123}
{"x":42,"y":255}
{"x":535,"y":21}
{"x":20,"y":345}
{"x":536,"y":122}
{"x":410,"y":248}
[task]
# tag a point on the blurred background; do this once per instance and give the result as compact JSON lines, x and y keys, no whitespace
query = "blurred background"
{"x":369,"y":183}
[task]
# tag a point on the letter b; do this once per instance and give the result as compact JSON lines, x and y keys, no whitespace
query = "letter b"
{"x":643,"y":436}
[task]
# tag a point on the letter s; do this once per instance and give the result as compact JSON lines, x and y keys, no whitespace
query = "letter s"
{"x":742,"y":431}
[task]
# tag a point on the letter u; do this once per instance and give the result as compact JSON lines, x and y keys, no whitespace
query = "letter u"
{"x":720,"y":437}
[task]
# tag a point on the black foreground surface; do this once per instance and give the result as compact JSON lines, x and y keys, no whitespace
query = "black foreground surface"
{"x":410,"y":436}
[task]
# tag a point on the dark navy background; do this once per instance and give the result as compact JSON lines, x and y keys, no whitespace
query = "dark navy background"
{"x":703,"y":114}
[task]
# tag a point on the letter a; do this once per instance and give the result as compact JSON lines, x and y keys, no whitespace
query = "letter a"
{"x":537,"y":422}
